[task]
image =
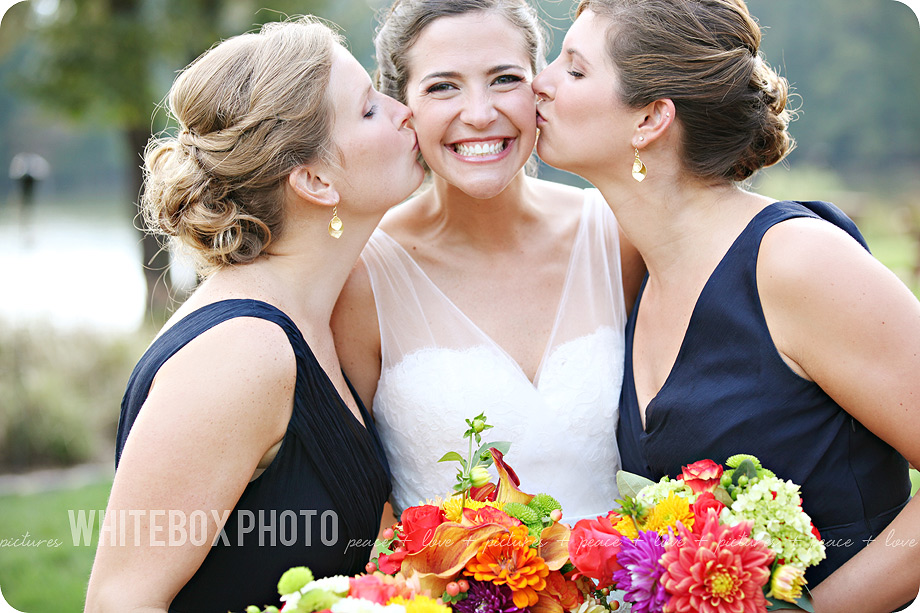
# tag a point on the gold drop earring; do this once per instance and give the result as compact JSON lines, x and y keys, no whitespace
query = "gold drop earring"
{"x":335,"y":224}
{"x":639,"y":171}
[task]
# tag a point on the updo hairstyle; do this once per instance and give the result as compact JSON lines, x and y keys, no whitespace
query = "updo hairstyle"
{"x":406,"y":19}
{"x":249,"y":110}
{"x":705,"y":56}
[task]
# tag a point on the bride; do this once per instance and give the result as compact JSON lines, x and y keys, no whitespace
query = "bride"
{"x":491,"y":290}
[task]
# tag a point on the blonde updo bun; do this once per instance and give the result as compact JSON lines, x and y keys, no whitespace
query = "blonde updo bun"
{"x":705,"y":56}
{"x":249,"y":111}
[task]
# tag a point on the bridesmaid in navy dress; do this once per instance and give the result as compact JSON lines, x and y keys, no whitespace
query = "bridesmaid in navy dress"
{"x":242,"y":449}
{"x":762,"y":327}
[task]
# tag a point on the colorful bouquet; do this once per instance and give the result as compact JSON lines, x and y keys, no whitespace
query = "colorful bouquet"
{"x":717,"y":540}
{"x":488,"y":546}
{"x":484,"y":548}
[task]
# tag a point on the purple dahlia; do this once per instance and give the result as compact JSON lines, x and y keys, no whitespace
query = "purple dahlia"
{"x":486,"y":597}
{"x":641,"y":573}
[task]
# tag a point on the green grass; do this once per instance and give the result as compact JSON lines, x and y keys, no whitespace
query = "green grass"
{"x":41,"y":578}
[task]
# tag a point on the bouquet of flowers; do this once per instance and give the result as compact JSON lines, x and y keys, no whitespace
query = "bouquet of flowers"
{"x":488,"y":546}
{"x":484,"y":548}
{"x":715,"y":539}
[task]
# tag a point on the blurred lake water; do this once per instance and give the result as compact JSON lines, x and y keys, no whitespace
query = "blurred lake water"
{"x":70,"y":272}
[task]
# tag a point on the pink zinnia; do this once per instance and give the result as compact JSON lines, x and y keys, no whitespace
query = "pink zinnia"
{"x":719,"y":570}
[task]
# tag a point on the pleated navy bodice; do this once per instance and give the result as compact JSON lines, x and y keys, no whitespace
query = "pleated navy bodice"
{"x":317,"y":504}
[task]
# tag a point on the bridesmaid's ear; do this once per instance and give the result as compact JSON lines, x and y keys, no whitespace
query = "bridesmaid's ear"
{"x":654,"y":121}
{"x":311,"y":184}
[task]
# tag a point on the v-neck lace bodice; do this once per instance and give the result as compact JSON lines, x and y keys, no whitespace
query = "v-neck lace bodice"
{"x":439,"y":368}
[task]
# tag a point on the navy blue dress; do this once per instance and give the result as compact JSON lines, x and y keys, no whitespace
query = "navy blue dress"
{"x":730,"y":392}
{"x":317,"y":504}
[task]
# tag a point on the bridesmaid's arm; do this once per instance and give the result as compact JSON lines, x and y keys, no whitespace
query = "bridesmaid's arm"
{"x":357,"y":334}
{"x":206,"y":424}
{"x":843,"y":320}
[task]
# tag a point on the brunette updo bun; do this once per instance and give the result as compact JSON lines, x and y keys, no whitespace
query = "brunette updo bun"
{"x":705,"y":56}
{"x":249,"y":111}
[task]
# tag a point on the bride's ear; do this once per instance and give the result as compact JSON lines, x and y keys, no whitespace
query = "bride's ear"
{"x":312,"y":185}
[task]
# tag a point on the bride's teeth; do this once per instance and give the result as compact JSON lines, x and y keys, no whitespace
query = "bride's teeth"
{"x":479,"y":149}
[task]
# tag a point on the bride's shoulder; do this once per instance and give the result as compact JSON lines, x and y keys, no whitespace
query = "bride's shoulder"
{"x":562,"y":203}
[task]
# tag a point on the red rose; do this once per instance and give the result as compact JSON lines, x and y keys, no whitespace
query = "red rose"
{"x":593,"y":549}
{"x":418,"y":524}
{"x":391,"y":563}
{"x":705,"y":503}
{"x":702,"y":476}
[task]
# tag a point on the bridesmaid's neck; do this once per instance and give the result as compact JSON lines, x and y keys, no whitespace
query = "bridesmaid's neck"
{"x":679,"y":226}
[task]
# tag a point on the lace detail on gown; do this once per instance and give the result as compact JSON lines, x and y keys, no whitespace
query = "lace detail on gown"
{"x":440,"y":368}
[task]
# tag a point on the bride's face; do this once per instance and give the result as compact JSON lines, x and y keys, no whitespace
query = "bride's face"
{"x":579,"y":113}
{"x":470,"y":92}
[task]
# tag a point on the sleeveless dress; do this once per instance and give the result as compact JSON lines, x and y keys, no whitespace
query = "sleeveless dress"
{"x":439,"y":368}
{"x":730,"y":392}
{"x":317,"y":504}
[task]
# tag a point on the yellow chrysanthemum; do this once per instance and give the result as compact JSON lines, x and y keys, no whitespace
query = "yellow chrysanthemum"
{"x":508,"y":558}
{"x":627,"y":527}
{"x":453,"y":509}
{"x":420,"y":604}
{"x":668,"y":512}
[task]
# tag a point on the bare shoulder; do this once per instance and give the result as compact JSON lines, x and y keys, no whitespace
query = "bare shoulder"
{"x":356,"y":331}
{"x":559,"y":198}
{"x":356,"y":300}
{"x":409,"y":217}
{"x":238,"y":357}
{"x":807,"y":252}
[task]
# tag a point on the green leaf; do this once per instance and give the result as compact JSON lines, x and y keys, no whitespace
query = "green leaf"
{"x":630,"y":484}
{"x":451,"y":456}
{"x":485,"y":458}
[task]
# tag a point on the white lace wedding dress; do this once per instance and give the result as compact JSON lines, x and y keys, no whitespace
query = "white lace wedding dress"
{"x":439,"y":368}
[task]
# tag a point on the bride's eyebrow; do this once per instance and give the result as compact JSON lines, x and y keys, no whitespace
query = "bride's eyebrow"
{"x":452,"y":74}
{"x":505,"y":68}
{"x":441,"y":75}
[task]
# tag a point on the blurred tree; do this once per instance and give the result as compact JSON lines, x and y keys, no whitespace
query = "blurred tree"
{"x":112,"y":60}
{"x":853,"y":64}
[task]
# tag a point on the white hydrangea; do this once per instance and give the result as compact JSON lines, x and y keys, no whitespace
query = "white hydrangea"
{"x":774,"y":508}
{"x":656,"y":492}
{"x":337,"y":584}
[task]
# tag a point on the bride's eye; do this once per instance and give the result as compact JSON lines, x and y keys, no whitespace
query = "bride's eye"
{"x":507,"y":78}
{"x":439,"y":87}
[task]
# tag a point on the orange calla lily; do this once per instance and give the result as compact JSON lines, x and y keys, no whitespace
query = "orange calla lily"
{"x":508,"y":481}
{"x":554,"y":545}
{"x":451,"y":547}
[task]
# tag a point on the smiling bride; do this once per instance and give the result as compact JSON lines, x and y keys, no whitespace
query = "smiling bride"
{"x":491,"y":290}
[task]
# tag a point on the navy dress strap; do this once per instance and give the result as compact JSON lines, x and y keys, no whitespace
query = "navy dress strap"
{"x":317,"y":504}
{"x":730,"y":392}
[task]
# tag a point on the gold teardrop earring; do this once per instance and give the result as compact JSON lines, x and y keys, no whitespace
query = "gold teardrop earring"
{"x":638,"y":170}
{"x":335,"y":224}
